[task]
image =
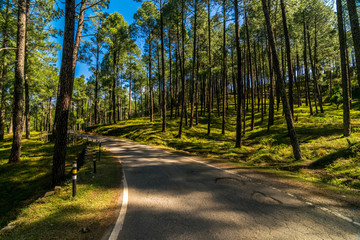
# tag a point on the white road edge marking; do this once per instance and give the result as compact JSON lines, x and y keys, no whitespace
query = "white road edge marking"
{"x":120,"y":220}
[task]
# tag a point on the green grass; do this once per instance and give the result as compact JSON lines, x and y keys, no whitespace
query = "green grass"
{"x":328,"y":158}
{"x":22,"y":183}
{"x":63,"y":217}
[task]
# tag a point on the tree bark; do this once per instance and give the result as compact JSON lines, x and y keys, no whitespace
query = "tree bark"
{"x":18,"y":103}
{"x":355,"y":30}
{"x":288,"y":116}
{"x":26,"y":69}
{"x":96,"y":103}
{"x":193,"y":68}
{"x":272,"y":89}
{"x":4,"y":69}
{"x":65,"y":94}
{"x":150,"y":80}
{"x":250,"y":72}
{"x":130,"y":80}
{"x":344,"y":70}
{"x":182,"y":63}
{"x":306,"y":69}
{"x":171,"y":79}
{"x":288,"y":55}
{"x":163,"y":68}
{"x":209,"y":71}
{"x":224,"y":70}
{"x":238,"y":142}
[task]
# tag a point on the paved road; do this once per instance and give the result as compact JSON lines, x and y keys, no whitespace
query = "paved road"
{"x":175,"y":197}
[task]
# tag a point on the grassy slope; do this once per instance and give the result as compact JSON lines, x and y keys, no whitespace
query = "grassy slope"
{"x":63,"y":217}
{"x":22,"y":183}
{"x":328,"y":157}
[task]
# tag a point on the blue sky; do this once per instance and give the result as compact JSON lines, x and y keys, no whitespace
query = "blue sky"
{"x":125,"y":7}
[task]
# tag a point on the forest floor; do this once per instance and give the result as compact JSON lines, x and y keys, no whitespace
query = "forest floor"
{"x":330,"y":160}
{"x":22,"y":183}
{"x":56,"y":216}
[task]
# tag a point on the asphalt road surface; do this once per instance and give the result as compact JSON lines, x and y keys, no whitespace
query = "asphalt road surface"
{"x":171,"y":196}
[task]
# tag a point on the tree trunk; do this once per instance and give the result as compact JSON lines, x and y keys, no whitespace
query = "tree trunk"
{"x":355,"y":30}
{"x":238,"y":142}
{"x":233,"y":77}
{"x":306,"y":69}
{"x":224,"y":70}
{"x":113,"y":97}
{"x":182,"y":63}
{"x":150,"y":81}
{"x":250,"y":73}
{"x":4,"y":69}
{"x":130,"y":79}
{"x":18,"y":103}
{"x":75,"y":51}
{"x":65,"y":94}
{"x":26,"y":69}
{"x":163,"y":68}
{"x":171,"y":80}
{"x":344,"y":71}
{"x":272,"y":90}
{"x":193,"y":68}
{"x":288,"y":116}
{"x":96,"y":104}
{"x":297,"y":82}
{"x":209,"y":71}
{"x":49,"y":110}
{"x":288,"y":55}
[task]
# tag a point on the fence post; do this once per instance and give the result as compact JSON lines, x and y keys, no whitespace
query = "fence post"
{"x":94,"y":161}
{"x":99,"y":150}
{"x":74,"y":177}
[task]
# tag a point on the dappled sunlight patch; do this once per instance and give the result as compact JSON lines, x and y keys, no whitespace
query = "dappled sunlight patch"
{"x":22,"y":183}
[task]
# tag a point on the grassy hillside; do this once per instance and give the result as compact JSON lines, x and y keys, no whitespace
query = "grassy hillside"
{"x":328,"y":157}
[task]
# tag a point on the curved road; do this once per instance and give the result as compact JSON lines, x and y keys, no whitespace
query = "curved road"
{"x":171,"y":196}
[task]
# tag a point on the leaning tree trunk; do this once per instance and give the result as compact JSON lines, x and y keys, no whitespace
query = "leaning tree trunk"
{"x":18,"y":103}
{"x":288,"y":116}
{"x":344,"y":71}
{"x":355,"y":30}
{"x":65,"y":93}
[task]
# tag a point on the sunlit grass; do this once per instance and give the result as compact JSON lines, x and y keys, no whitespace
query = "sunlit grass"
{"x":24,"y":182}
{"x":94,"y":209}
